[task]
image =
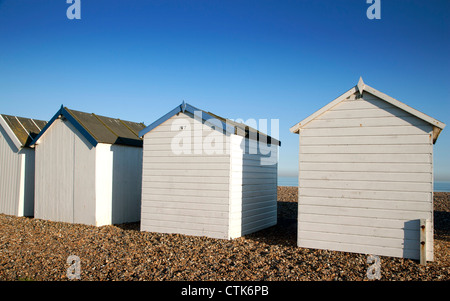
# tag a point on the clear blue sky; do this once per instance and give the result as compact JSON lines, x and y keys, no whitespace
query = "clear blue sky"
{"x":137,"y":60}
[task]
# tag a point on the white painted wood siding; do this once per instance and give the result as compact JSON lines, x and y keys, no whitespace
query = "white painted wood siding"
{"x":26,"y":203}
{"x":103,"y":184}
{"x":365,"y":178}
{"x":188,"y":192}
{"x":65,"y":176}
{"x":16,"y":178}
{"x":118,"y":184}
{"x":10,"y":175}
{"x":253,"y":186}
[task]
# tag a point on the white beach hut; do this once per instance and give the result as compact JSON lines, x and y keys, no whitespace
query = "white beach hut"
{"x":17,"y":164}
{"x":366,"y":176}
{"x":205,"y":175}
{"x":88,"y":169}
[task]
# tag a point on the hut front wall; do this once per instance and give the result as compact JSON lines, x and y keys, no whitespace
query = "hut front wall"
{"x":365,"y":180}
{"x":185,"y":179}
{"x":65,"y":175}
{"x":253,"y":186}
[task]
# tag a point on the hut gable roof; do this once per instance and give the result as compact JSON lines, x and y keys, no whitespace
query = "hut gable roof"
{"x":21,"y":130}
{"x":226,"y":124}
{"x":99,"y":129}
{"x":360,"y":88}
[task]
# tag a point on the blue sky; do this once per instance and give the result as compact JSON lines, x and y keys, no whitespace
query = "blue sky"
{"x":259,"y":59}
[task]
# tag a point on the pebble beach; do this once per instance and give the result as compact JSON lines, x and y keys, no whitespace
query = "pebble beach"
{"x":37,"y":250}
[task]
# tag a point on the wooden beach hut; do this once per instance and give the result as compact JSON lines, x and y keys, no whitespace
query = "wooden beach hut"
{"x":17,"y":164}
{"x":366,"y":176}
{"x":205,"y":175}
{"x":88,"y":169}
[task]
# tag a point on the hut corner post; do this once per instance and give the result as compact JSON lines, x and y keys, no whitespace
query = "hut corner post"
{"x":423,"y":242}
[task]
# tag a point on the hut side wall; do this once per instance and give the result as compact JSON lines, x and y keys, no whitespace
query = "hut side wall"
{"x":185,"y":192}
{"x":118,"y":180}
{"x":65,"y":176}
{"x":253,"y":186}
{"x":26,"y":204}
{"x":365,"y":180}
{"x":10,"y":175}
{"x":103,"y":182}
{"x":127,"y":183}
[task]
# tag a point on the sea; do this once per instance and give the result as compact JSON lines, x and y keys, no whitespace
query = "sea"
{"x":439,"y":186}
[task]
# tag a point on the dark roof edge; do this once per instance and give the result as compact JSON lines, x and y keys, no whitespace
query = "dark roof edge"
{"x":80,"y":126}
{"x":15,"y":140}
{"x":66,"y":113}
{"x":13,"y":135}
{"x":205,"y":116}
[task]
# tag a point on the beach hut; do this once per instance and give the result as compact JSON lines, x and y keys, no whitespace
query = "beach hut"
{"x":88,"y":169}
{"x":366,"y":176}
{"x":17,"y":164}
{"x":205,"y":175}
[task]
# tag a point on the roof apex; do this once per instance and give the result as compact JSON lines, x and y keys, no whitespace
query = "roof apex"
{"x":360,"y":87}
{"x":98,"y":129}
{"x":226,"y":124}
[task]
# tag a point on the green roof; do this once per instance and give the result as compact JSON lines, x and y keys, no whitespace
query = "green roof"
{"x":109,"y":130}
{"x":99,"y":129}
{"x":25,"y":129}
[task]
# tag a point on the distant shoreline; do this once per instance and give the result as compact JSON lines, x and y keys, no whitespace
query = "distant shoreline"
{"x":439,"y":186}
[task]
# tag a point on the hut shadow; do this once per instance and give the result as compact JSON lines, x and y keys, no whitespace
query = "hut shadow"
{"x":411,"y":239}
{"x":28,"y":198}
{"x":284,"y":233}
{"x":424,"y":126}
{"x":133,"y":226}
{"x":442,"y":225}
{"x":126,"y":184}
{"x":29,"y":182}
